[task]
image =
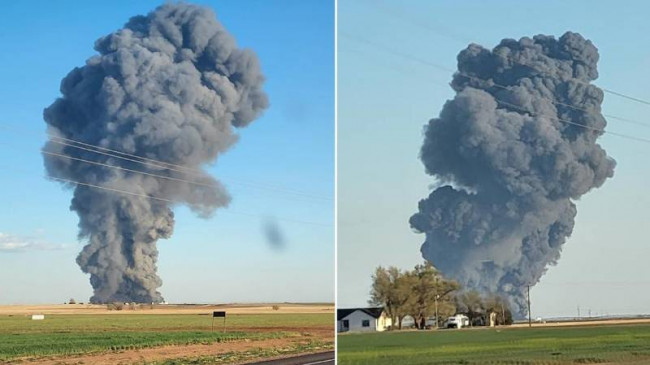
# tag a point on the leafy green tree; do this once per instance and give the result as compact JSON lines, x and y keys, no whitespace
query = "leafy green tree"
{"x":478,"y":307}
{"x":382,"y":291}
{"x":389,"y":291}
{"x":405,"y":282}
{"x":416,"y":293}
{"x":429,"y":289}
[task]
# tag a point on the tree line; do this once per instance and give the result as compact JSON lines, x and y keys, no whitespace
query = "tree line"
{"x":423,"y":293}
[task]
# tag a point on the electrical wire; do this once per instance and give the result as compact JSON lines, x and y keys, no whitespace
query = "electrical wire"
{"x":491,"y":82}
{"x":120,"y":191}
{"x":399,"y":13}
{"x":161,"y":165}
{"x":427,"y":63}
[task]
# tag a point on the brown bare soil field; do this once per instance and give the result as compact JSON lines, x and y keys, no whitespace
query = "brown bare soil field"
{"x":178,"y":352}
{"x":262,"y":308}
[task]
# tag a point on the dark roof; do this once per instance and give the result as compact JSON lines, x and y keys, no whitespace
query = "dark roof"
{"x":374,"y":312}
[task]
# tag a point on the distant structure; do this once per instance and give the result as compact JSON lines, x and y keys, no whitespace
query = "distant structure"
{"x":372,"y":319}
{"x":457,"y":321}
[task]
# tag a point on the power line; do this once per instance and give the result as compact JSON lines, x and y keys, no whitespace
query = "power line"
{"x":175,"y":202}
{"x":395,"y":13}
{"x":625,"y":96}
{"x":161,"y":165}
{"x":155,"y":162}
{"x":60,"y":155}
{"x":120,"y":191}
{"x":646,"y":125}
{"x":151,"y":174}
{"x":158,"y":164}
{"x":573,"y":123}
{"x":110,"y":189}
{"x":506,"y":103}
{"x":399,"y":13}
{"x":491,"y":82}
{"x":125,"y":169}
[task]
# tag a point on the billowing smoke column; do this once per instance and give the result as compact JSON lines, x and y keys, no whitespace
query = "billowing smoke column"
{"x":511,"y":157}
{"x":171,"y":86}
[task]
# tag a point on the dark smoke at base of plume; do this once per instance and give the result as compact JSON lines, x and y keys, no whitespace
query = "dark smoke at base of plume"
{"x":170,"y":86}
{"x":508,"y":168}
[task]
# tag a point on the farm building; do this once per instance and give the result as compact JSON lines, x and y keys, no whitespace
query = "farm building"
{"x":362,"y":320}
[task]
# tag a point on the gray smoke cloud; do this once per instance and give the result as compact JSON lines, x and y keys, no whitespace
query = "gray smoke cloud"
{"x":170,"y":86}
{"x":274,"y":235}
{"x":508,"y":169}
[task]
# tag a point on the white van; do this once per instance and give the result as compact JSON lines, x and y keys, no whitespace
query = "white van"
{"x":457,"y":321}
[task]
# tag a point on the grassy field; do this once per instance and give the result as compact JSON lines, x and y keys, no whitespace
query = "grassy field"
{"x":569,"y":345}
{"x":83,"y":334}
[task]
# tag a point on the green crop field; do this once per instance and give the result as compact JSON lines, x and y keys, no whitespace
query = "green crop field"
{"x":84,"y":333}
{"x":615,"y":344}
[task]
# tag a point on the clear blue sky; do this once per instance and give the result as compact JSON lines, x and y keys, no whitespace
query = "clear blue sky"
{"x":222,"y":259}
{"x":385,"y":100}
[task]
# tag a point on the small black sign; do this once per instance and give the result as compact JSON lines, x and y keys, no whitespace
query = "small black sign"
{"x":218,"y":314}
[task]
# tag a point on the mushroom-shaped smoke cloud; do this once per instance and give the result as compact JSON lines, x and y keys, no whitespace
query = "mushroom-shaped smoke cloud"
{"x":512,"y":150}
{"x":170,"y":86}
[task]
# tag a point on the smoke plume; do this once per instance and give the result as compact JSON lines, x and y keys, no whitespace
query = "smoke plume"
{"x":274,"y":234}
{"x":511,"y":158}
{"x":170,"y":86}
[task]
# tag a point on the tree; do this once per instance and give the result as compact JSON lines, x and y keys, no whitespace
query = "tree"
{"x":404,"y":283}
{"x":413,"y":293}
{"x":390,"y":289}
{"x":430,"y":290}
{"x":500,"y":306}
{"x":72,"y":301}
{"x":382,"y":292}
{"x":478,"y":308}
{"x":446,"y":308}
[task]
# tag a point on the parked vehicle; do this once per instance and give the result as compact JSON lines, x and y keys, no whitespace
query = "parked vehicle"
{"x":457,"y":321}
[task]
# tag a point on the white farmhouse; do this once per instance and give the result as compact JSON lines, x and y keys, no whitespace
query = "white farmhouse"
{"x":362,"y":319}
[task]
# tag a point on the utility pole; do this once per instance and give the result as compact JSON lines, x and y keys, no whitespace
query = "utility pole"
{"x":530,"y":323}
{"x":437,"y":325}
{"x":578,"y":311}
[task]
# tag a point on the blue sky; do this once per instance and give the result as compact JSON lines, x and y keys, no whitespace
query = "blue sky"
{"x":282,"y":168}
{"x":385,"y":100}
